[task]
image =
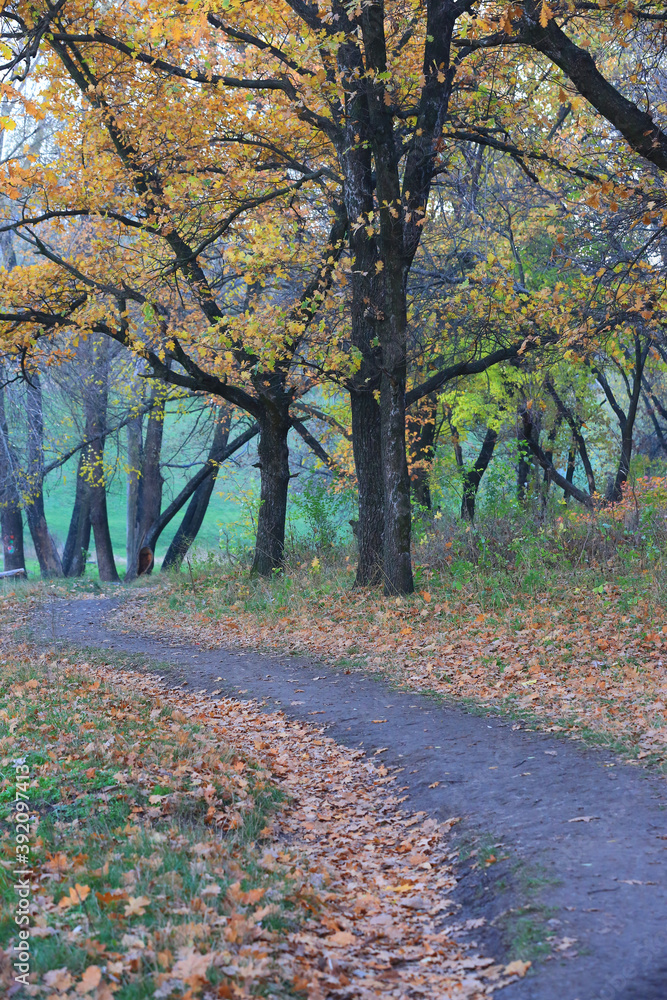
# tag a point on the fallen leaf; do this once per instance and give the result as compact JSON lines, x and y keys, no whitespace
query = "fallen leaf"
{"x":341,"y":939}
{"x":517,"y":968}
{"x":136,"y":906}
{"x":76,"y":896}
{"x":90,"y":979}
{"x":58,"y":979}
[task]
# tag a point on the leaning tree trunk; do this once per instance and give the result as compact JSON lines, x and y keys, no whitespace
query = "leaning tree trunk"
{"x":274,"y":425}
{"x":11,"y":518}
{"x":45,"y":548}
{"x":196,"y":511}
{"x":96,"y":412}
{"x":78,"y":536}
{"x":473,"y":477}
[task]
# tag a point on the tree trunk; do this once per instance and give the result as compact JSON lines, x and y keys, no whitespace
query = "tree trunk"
{"x":45,"y":548}
{"x":274,"y":425}
{"x":151,"y":481}
{"x":134,"y":464}
{"x":11,"y":518}
{"x":626,"y":421}
{"x":571,"y":464}
{"x":78,"y":536}
{"x":473,"y":477}
{"x":366,"y":432}
{"x":396,"y":480}
{"x":95,"y":404}
{"x":421,"y":427}
{"x":196,"y":511}
{"x":11,"y":522}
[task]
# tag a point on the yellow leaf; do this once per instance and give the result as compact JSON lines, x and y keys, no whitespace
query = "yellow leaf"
{"x":545,"y":14}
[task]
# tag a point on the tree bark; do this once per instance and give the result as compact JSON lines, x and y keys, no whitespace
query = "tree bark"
{"x":354,"y":153}
{"x":11,"y":518}
{"x":151,"y":481}
{"x":366,"y":431}
{"x":95,"y":404}
{"x":77,"y":544}
{"x":196,"y":511}
{"x":274,"y":425}
{"x":45,"y":548}
{"x":473,"y":477}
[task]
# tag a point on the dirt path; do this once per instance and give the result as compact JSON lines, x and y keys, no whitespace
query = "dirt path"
{"x":600,"y":880}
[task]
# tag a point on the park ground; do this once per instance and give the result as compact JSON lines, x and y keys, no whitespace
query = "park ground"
{"x":223,"y":859}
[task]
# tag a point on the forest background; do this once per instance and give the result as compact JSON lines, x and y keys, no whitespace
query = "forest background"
{"x":359,"y":262}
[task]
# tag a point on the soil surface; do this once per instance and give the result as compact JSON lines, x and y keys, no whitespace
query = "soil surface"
{"x":579,"y":837}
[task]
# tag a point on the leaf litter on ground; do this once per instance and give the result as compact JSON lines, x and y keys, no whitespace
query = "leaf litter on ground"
{"x":187,"y":847}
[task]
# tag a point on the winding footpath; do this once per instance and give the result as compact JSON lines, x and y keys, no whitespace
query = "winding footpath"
{"x":579,"y":837}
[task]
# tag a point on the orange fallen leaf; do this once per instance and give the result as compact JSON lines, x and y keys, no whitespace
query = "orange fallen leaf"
{"x":90,"y":979}
{"x":517,"y":968}
{"x":341,"y":939}
{"x":75,"y":897}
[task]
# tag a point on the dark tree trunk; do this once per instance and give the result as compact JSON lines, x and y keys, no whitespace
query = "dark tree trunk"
{"x":78,"y":536}
{"x":396,"y":480}
{"x":96,"y":411}
{"x":11,"y":518}
{"x":571,"y":464}
{"x":151,"y":481}
{"x":473,"y":477}
{"x":421,"y":427}
{"x":196,"y":511}
{"x":45,"y":548}
{"x":274,"y":425}
{"x":368,"y":463}
{"x":355,"y":155}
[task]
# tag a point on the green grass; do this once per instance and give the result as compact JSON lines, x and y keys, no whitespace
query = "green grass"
{"x":123,"y":834}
